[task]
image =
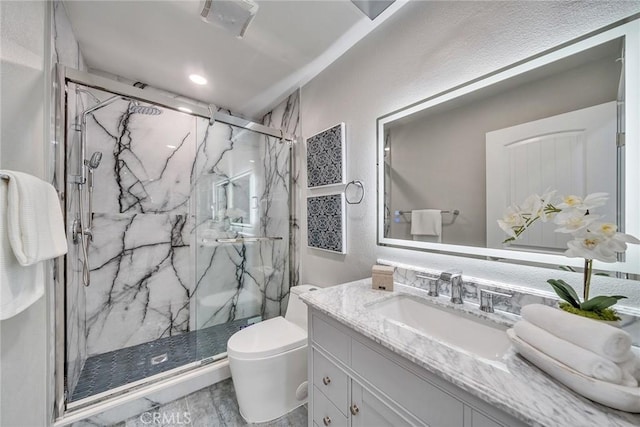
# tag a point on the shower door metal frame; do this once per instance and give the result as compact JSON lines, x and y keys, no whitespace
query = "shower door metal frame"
{"x":65,"y":75}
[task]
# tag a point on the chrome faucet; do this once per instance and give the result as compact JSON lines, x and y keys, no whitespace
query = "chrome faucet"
{"x":455,"y":279}
{"x":434,"y":285}
{"x":486,"y":299}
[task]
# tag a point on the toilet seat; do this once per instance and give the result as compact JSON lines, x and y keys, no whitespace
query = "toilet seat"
{"x":268,"y":338}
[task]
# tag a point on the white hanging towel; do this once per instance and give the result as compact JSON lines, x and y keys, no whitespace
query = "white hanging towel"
{"x":31,"y":230}
{"x":426,"y":222}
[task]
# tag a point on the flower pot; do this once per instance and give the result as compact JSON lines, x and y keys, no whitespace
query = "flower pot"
{"x":588,"y":314}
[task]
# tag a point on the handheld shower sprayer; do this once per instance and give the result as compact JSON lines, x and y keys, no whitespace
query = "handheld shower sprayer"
{"x":91,"y":165}
{"x":94,"y":161}
{"x":85,"y":233}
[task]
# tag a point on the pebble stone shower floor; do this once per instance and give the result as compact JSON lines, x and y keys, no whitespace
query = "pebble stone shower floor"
{"x":116,"y":368}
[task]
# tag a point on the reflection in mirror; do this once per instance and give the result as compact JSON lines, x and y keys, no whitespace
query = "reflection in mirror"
{"x":233,"y":199}
{"x":556,"y":122}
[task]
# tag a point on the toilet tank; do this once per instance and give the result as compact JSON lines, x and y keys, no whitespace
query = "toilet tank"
{"x":296,"y":309}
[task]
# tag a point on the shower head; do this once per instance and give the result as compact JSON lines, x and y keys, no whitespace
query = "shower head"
{"x":94,"y":161}
{"x":136,"y":108}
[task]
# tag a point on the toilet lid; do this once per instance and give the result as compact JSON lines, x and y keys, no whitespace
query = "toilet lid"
{"x":264,"y":339}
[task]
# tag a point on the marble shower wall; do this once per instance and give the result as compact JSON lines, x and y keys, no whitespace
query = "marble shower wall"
{"x":286,"y":116}
{"x":156,"y":269}
{"x":247,"y":176}
{"x":65,"y":51}
{"x":139,"y":256}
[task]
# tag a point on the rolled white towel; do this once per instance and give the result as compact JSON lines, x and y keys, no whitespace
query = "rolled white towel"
{"x":583,"y":361}
{"x":631,"y":366}
{"x":598,"y":337}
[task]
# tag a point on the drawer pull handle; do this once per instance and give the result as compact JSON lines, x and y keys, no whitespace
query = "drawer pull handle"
{"x":326,"y":380}
{"x":354,"y":409}
{"x":326,"y":421}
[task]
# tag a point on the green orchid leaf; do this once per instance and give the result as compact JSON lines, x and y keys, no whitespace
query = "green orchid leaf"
{"x":565,"y":291}
{"x":600,"y":302}
{"x":569,"y":289}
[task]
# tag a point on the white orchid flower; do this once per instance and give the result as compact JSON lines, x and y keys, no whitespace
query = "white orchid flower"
{"x":591,"y":246}
{"x":511,"y":220}
{"x":618,"y":242}
{"x":531,"y":206}
{"x":546,"y":200}
{"x":591,"y":201}
{"x":607,"y":229}
{"x":573,"y":220}
{"x":592,"y":240}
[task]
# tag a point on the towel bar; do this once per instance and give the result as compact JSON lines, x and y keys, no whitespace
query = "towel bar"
{"x":454,"y":212}
{"x":4,"y":176}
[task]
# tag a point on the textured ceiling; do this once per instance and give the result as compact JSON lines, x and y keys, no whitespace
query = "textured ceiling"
{"x":162,"y":42}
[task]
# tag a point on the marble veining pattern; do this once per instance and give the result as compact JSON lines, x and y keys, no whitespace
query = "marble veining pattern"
{"x":515,"y":386}
{"x":241,"y":279}
{"x":139,"y":255}
{"x":286,"y":117}
{"x":214,"y":406}
{"x":153,"y":273}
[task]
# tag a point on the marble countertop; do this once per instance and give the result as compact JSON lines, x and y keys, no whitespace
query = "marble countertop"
{"x":514,"y":386}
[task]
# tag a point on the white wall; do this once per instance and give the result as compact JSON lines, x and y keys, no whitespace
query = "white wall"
{"x":23,"y":338}
{"x":426,"y":48}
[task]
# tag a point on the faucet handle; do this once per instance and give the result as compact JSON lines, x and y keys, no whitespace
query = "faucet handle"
{"x":434,"y":285}
{"x":447,"y":276}
{"x":486,"y":299}
{"x":456,"y":288}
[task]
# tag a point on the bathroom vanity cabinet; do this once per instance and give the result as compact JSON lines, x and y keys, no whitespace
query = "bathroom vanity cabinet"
{"x":357,"y":382}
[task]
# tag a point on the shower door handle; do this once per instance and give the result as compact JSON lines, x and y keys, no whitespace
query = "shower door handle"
{"x":248,"y":239}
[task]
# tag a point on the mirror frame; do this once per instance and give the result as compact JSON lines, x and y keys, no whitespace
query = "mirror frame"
{"x":630,"y":30}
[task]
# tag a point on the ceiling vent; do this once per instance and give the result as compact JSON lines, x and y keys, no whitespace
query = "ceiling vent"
{"x":232,"y":15}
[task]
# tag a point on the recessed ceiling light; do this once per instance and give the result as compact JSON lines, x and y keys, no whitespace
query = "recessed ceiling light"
{"x":185,"y":110}
{"x":199,"y":80}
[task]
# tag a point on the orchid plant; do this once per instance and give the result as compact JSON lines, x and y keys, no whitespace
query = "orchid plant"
{"x":592,"y":240}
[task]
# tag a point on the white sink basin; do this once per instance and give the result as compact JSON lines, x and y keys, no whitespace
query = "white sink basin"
{"x":472,"y":334}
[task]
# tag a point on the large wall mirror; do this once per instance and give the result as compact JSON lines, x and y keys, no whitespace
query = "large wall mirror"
{"x":568,"y":120}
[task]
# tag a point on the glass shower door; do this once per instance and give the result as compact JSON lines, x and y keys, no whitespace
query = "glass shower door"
{"x":241,"y":233}
{"x":186,"y":236}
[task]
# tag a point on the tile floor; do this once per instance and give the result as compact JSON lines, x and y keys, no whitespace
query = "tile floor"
{"x":105,"y":371}
{"x":214,"y":406}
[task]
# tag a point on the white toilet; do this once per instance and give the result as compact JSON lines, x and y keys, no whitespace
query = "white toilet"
{"x":268,"y":363}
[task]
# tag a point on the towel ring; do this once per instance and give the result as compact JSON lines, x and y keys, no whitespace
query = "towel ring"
{"x":357,"y":183}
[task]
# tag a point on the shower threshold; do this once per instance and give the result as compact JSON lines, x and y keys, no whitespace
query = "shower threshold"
{"x":107,"y":371}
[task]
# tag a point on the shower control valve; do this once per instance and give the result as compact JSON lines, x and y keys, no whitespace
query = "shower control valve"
{"x":77,"y":232}
{"x":76,"y":229}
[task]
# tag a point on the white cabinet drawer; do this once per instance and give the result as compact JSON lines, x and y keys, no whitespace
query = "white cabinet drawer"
{"x":480,"y":420}
{"x":369,"y":411}
{"x":329,"y":379}
{"x":331,"y":339}
{"x":325,"y":413}
{"x":425,"y":401}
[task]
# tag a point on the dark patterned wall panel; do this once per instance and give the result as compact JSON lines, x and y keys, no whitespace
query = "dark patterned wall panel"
{"x":325,"y":157}
{"x":325,"y":222}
